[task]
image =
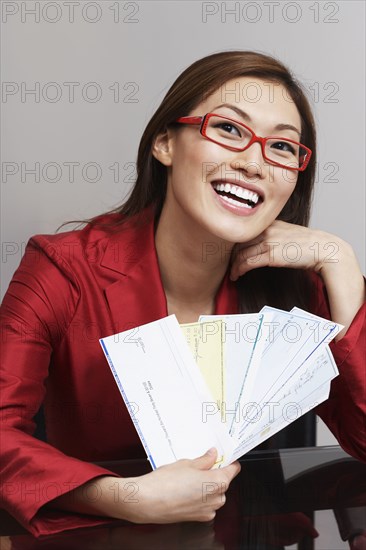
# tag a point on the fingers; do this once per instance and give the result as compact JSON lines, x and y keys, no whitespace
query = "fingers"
{"x":206,"y":461}
{"x":213,"y":497}
{"x":214,"y":491}
{"x":215,"y":482}
{"x":228,"y":474}
{"x":288,"y":245}
{"x":252,"y":257}
{"x":233,"y":469}
{"x":193,"y":490}
{"x":278,"y":247}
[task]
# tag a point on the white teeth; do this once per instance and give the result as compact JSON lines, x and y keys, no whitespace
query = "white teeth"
{"x":232,"y":201}
{"x":237,"y":191}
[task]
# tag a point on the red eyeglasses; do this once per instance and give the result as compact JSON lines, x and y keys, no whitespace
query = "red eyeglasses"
{"x":235,"y":135}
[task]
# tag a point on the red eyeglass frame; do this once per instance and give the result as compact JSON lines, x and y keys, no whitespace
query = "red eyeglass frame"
{"x":203,"y":121}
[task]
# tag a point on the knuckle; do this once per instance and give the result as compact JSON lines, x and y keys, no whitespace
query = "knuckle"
{"x":230,"y":475}
{"x":206,"y":516}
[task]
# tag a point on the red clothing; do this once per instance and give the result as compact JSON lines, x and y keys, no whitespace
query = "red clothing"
{"x":70,"y":290}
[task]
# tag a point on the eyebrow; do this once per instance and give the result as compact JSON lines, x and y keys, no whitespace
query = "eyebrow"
{"x":246,"y":117}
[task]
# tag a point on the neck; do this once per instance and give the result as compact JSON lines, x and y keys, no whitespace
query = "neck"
{"x":192,"y":262}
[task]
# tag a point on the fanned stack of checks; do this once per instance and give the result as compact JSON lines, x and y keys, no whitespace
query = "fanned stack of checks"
{"x":228,"y":382}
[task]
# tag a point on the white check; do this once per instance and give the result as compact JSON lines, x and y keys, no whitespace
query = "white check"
{"x":165,"y":393}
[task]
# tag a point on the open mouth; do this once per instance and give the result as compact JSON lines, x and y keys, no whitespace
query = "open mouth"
{"x":238,"y":196}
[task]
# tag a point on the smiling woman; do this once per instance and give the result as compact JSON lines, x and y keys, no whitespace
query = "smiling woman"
{"x":223,"y":192}
{"x":232,"y":158}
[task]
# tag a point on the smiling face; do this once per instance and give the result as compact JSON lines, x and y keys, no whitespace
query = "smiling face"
{"x":231,"y":195}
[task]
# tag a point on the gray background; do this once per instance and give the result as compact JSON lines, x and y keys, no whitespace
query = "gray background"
{"x":129,"y":53}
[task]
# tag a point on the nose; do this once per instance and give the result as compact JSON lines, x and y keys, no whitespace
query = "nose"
{"x":251,"y":161}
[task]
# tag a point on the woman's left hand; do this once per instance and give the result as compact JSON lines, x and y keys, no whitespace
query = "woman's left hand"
{"x":287,"y":245}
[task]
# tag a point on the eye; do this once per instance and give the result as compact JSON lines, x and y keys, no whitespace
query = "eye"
{"x":284,"y":146}
{"x":229,"y":128}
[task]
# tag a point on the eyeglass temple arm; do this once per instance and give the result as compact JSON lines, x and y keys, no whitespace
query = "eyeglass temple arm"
{"x":190,"y":119}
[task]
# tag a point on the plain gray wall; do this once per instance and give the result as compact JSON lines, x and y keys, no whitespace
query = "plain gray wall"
{"x":129,"y":53}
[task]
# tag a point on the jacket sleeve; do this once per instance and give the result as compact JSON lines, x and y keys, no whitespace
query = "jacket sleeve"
{"x":35,"y":313}
{"x":345,"y":411}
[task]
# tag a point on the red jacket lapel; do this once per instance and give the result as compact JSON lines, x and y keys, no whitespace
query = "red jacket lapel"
{"x":137,"y":296}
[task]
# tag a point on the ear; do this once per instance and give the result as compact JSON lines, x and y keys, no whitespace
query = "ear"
{"x":162,"y":148}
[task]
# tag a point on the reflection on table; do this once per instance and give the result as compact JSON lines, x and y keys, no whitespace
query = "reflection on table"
{"x":270,"y":505}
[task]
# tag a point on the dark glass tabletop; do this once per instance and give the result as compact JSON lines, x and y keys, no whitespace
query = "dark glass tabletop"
{"x":306,"y":498}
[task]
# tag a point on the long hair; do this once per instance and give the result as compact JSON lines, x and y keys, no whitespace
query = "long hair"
{"x":279,"y":287}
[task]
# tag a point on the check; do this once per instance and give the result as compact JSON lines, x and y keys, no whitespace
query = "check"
{"x":165,"y":393}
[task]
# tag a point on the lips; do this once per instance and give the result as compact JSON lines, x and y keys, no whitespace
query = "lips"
{"x":238,"y":194}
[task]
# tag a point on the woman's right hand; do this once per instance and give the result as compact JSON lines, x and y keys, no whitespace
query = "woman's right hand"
{"x":187,"y":490}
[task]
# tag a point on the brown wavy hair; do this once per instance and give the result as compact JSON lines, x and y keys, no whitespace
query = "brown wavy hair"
{"x":279,"y":287}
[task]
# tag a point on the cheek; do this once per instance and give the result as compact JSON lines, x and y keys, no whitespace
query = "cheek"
{"x":196,"y":161}
{"x":286,"y":183}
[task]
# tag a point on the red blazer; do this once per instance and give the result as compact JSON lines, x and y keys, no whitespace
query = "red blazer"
{"x":70,"y":290}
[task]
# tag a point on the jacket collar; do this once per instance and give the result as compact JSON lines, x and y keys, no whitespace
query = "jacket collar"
{"x":138,"y":296}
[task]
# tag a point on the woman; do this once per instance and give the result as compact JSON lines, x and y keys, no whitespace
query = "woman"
{"x":213,"y":204}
